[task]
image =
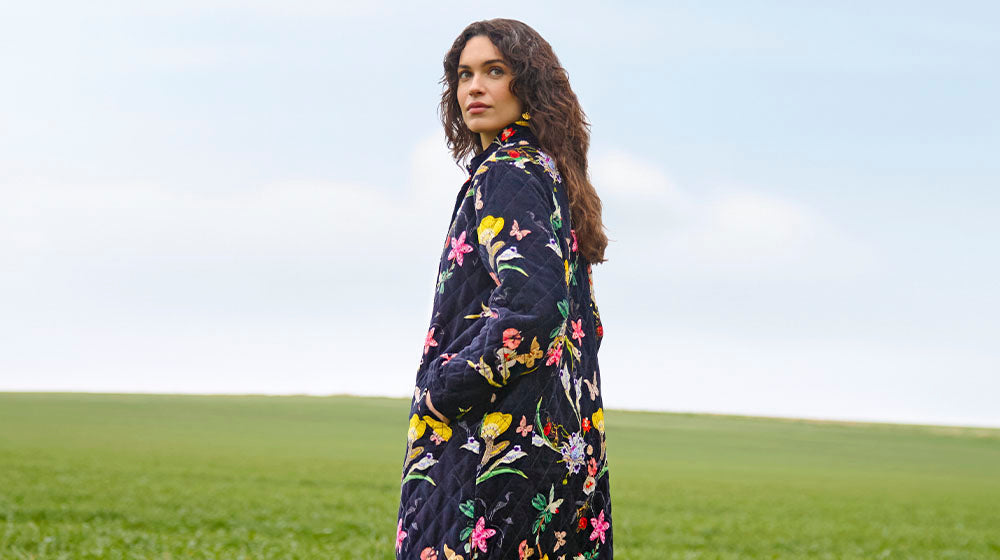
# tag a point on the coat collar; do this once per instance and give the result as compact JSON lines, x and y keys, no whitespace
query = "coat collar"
{"x":512,"y":134}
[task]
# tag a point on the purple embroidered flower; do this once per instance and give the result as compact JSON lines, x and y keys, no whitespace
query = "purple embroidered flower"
{"x":573,"y":452}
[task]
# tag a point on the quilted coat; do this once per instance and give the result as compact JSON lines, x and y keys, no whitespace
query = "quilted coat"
{"x":510,"y":359}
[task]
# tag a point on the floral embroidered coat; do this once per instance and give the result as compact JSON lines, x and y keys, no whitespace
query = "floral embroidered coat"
{"x":510,"y":358}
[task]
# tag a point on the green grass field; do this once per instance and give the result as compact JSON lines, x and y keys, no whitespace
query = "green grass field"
{"x":157,"y":476}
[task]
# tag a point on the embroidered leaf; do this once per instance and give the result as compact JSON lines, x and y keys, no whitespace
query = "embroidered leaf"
{"x":563,"y":306}
{"x":418,"y":476}
{"x":496,"y":472}
{"x":467,"y":509}
{"x":505,"y":266}
{"x":465,"y":535}
{"x":538,"y":502}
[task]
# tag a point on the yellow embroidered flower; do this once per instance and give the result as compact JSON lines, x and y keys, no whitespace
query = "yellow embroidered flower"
{"x":440,"y":428}
{"x":417,"y":427}
{"x":565,"y":262}
{"x":597,"y":419}
{"x":489,"y":228}
{"x":494,"y":424}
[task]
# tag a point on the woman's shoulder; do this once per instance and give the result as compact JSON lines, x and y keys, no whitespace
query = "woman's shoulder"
{"x":518,"y":164}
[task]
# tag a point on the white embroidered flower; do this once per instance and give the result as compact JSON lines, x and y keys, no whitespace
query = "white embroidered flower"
{"x":573,"y":452}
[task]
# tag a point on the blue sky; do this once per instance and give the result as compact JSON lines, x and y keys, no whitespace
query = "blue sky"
{"x":249,"y":197}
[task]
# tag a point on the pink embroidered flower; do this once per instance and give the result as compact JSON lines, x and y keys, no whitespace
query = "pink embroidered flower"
{"x":428,"y":554}
{"x":400,"y":534}
{"x":573,"y":233}
{"x":522,"y":549}
{"x":592,"y":466}
{"x":459,"y":248}
{"x":555,"y":354}
{"x":577,"y":328}
{"x":512,"y":338}
{"x":481,"y":533}
{"x":599,"y":525}
{"x":430,"y":340}
{"x":445,"y":358}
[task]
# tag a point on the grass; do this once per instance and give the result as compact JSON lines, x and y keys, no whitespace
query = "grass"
{"x":167,"y":476}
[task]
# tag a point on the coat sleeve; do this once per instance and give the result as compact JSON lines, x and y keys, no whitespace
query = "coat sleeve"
{"x":526,"y":323}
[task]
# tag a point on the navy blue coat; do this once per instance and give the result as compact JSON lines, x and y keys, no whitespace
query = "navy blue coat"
{"x":510,"y":358}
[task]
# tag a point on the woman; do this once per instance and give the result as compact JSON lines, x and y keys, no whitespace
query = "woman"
{"x":506,"y":454}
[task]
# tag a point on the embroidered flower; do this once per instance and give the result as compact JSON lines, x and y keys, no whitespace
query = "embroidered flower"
{"x":512,"y":338}
{"x":592,"y":467}
{"x":489,"y":228}
{"x":417,"y":427}
{"x":507,"y":133}
{"x":441,"y":430}
{"x":582,"y":524}
{"x":573,"y":452}
{"x":555,"y":354}
{"x":400,"y":535}
{"x":589,"y":485}
{"x":481,"y":533}
{"x":598,"y":419}
{"x":574,"y":247}
{"x":428,"y":554}
{"x":585,"y":424}
{"x":458,"y":248}
{"x":577,"y":328}
{"x":494,"y":424}
{"x":429,"y":341}
{"x":599,"y":525}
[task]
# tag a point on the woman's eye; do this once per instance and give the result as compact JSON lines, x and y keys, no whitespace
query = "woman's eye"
{"x":462,"y":74}
{"x":496,"y":71}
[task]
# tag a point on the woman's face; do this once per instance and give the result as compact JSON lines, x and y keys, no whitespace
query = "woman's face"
{"x":484,"y":93}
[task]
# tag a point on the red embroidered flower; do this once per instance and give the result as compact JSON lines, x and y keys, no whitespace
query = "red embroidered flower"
{"x":583,"y":524}
{"x":577,"y":328}
{"x":600,"y":330}
{"x":507,"y":133}
{"x":514,"y":153}
{"x":548,"y":428}
{"x":512,"y":338}
{"x":586,"y":425}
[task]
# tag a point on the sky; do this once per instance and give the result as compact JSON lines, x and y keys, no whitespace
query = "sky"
{"x":223,"y":197}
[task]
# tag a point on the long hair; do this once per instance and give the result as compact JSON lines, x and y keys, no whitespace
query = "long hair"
{"x":557,"y":120}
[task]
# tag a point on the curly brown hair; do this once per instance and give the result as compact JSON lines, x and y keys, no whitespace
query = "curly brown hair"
{"x":557,"y":120}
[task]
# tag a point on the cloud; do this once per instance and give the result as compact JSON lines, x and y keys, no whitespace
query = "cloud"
{"x":729,"y":226}
{"x":57,"y":214}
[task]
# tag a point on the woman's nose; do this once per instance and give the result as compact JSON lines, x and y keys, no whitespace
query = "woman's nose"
{"x":475,"y":85}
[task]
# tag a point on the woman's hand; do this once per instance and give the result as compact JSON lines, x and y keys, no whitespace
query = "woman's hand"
{"x":434,"y":410}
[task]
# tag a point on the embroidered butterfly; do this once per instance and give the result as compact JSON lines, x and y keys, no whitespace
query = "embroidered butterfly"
{"x":525,"y":428}
{"x":517,"y":232}
{"x":534,"y":353}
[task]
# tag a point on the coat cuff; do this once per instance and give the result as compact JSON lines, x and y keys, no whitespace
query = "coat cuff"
{"x":443,"y":401}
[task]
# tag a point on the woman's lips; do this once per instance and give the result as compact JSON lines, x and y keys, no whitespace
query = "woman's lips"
{"x":477,"y":109}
